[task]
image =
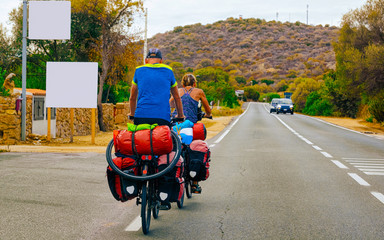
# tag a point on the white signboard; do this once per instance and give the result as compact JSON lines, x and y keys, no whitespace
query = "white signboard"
{"x":72,"y":84}
{"x":49,"y":20}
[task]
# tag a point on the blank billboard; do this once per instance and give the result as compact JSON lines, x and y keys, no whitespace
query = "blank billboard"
{"x":71,"y":84}
{"x":49,"y":20}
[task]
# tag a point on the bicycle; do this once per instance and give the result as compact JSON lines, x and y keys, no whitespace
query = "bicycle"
{"x":185,"y":154}
{"x":148,"y":175}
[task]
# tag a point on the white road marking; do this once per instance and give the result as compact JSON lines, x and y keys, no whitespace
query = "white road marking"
{"x":222,"y":136}
{"x":379,"y":196}
{"x":212,"y":145}
{"x":135,"y":225}
{"x":368,"y":159}
{"x":327,"y":155}
{"x":320,"y":120}
{"x":367,"y":164}
{"x":375,"y":173}
{"x":372,"y":169}
{"x":317,"y":147}
{"x":339,"y":164}
{"x":359,"y":180}
{"x":230,"y":127}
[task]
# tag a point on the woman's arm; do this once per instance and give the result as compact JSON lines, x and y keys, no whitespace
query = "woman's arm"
{"x":205,"y":103}
{"x":177,"y":100}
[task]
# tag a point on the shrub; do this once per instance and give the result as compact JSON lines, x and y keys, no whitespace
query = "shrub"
{"x":269,"y":96}
{"x":376,"y":107}
{"x":317,"y":106}
{"x":251,"y":93}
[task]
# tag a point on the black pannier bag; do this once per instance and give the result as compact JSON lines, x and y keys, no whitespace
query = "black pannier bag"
{"x":199,"y":158}
{"x":171,"y":185}
{"x":122,"y":188}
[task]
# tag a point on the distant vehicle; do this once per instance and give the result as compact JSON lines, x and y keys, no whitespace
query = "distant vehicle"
{"x":287,"y":95}
{"x":274,"y":104}
{"x":285,"y":105}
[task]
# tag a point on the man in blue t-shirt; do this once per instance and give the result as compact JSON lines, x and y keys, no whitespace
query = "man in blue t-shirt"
{"x":151,"y":85}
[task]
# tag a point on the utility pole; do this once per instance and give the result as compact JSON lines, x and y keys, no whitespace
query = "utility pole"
{"x":307,"y":12}
{"x":24,"y":73}
{"x":145,"y":34}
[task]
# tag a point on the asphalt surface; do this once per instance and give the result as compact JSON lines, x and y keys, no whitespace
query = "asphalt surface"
{"x":272,"y":177}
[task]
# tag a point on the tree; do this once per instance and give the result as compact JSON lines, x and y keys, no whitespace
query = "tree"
{"x":114,"y":49}
{"x":299,"y":96}
{"x":251,"y":93}
{"x":359,"y":55}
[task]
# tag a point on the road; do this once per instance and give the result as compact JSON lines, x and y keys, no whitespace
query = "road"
{"x":272,"y":177}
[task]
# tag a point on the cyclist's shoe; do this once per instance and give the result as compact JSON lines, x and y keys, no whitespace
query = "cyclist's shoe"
{"x":196,"y":189}
{"x":165,"y":206}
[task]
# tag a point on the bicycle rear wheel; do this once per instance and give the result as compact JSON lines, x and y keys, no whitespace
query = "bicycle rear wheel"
{"x":180,"y":203}
{"x":188,"y":188}
{"x":145,"y":207}
{"x":155,"y":202}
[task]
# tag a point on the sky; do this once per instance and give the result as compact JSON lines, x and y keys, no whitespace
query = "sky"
{"x":164,"y":15}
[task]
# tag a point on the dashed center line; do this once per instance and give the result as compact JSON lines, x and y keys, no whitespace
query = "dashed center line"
{"x":359,"y":180}
{"x":327,"y":155}
{"x":317,"y":148}
{"x":339,"y":164}
{"x":379,"y":196}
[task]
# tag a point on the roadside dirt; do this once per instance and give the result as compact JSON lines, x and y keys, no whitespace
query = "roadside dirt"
{"x":83,"y":143}
{"x":359,"y":125}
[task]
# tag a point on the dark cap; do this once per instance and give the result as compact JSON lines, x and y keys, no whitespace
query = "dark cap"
{"x":154,"y":53}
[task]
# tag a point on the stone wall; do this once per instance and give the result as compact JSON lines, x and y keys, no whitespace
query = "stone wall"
{"x":108,"y":116}
{"x":10,"y":120}
{"x":82,"y":121}
{"x":121,"y":113}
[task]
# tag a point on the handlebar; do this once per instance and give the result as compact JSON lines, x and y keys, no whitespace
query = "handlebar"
{"x":175,"y":120}
{"x":147,"y":177}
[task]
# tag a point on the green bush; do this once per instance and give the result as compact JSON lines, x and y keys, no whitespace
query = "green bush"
{"x":250,"y":93}
{"x":317,"y":106}
{"x":376,"y":107}
{"x":269,"y":96}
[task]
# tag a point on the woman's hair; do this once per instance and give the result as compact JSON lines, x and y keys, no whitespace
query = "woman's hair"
{"x":188,"y":80}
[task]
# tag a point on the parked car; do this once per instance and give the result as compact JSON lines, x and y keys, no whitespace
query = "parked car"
{"x":274,"y":104}
{"x":285,"y":105}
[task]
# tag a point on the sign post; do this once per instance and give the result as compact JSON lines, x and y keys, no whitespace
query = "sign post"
{"x":24,"y":73}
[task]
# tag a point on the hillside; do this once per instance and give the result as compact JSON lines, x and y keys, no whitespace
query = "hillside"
{"x":251,"y":48}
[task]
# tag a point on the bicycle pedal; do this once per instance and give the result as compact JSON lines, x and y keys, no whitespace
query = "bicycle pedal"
{"x":138,"y":201}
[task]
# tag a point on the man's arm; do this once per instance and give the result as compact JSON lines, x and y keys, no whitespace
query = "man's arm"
{"x":133,"y":99}
{"x":177,"y":100}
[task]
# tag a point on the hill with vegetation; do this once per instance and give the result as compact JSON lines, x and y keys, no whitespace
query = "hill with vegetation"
{"x":251,"y":49}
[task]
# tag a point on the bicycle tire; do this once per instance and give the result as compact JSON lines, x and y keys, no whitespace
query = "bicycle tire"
{"x":155,"y":202}
{"x":180,"y":203}
{"x":146,"y":177}
{"x":145,"y":208}
{"x":188,"y":188}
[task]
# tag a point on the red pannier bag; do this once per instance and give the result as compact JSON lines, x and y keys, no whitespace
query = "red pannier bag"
{"x":157,"y":141}
{"x":121,"y":188}
{"x":199,"y":131}
{"x":171,"y":185}
{"x":199,"y":158}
